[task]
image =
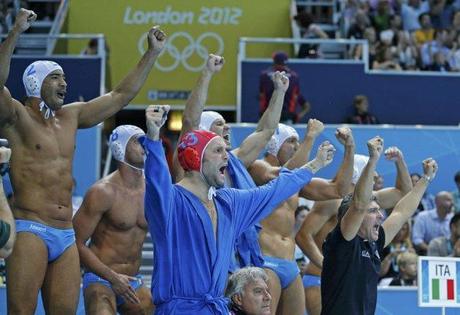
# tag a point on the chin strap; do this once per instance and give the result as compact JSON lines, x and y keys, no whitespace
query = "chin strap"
{"x":211,"y":192}
{"x":48,"y":112}
{"x":132,"y":166}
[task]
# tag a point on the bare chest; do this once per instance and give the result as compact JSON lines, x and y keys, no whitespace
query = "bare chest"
{"x":212,"y":212}
{"x":40,"y":140}
{"x":127,"y":212}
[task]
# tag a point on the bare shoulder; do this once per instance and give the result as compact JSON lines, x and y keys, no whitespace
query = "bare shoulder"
{"x":103,"y":192}
{"x":316,"y":184}
{"x":262,"y":172}
{"x":326,"y":207}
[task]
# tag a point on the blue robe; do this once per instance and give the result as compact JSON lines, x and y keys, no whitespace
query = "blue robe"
{"x":190,"y":266}
{"x":247,"y":245}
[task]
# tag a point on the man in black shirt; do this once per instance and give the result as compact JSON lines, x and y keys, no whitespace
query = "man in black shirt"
{"x":352,"y":250}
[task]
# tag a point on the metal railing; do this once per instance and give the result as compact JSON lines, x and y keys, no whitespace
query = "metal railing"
{"x":57,"y":26}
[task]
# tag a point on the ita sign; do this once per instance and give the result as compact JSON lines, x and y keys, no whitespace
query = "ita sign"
{"x":439,"y":282}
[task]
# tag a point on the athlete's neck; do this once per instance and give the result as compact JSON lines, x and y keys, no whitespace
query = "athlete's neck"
{"x":194,"y":183}
{"x":131,"y":177}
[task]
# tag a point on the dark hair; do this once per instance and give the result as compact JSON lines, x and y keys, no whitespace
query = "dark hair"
{"x":300,"y":209}
{"x":304,"y":19}
{"x":454,"y":219}
{"x":457,"y":177}
{"x":345,"y":205}
{"x":421,"y":16}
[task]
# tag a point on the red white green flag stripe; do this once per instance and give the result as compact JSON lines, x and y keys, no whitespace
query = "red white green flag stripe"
{"x":442,"y":289}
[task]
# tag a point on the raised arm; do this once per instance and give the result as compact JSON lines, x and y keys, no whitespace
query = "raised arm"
{"x":263,"y":200}
{"x":8,"y":105}
{"x":316,"y":218}
{"x":7,"y":225}
{"x":353,"y":218}
{"x":301,"y":156}
{"x":408,"y":204}
{"x":195,"y":105}
{"x":262,"y":172}
{"x":159,"y":195}
{"x":98,"y":200}
{"x":97,"y":110}
{"x":388,"y":197}
{"x":251,"y":147}
{"x":321,"y":189}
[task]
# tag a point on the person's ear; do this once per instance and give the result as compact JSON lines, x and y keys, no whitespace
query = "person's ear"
{"x":237,"y":299}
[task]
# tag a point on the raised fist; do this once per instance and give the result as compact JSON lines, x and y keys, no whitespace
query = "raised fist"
{"x":325,"y":154}
{"x":156,"y":116}
{"x":156,"y":39}
{"x":214,"y":63}
{"x":280,"y":81}
{"x":314,"y":127}
{"x":375,"y":147}
{"x":24,"y":19}
{"x":393,"y":154}
{"x":344,"y":136}
{"x":430,"y":167}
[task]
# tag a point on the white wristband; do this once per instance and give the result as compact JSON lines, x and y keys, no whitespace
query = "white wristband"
{"x":427,"y":178}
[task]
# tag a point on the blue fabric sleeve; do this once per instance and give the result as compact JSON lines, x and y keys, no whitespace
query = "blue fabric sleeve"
{"x":419,"y":230}
{"x":252,"y":205}
{"x":159,"y":187}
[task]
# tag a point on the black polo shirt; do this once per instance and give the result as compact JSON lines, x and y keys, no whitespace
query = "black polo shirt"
{"x":350,"y":274}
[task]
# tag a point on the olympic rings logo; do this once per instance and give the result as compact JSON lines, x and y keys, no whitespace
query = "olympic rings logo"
{"x":182,"y":57}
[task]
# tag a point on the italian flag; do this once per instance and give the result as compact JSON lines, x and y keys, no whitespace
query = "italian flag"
{"x":442,"y":289}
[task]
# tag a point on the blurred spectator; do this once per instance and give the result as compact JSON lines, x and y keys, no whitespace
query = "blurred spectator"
{"x":386,"y":60}
{"x":309,"y":31}
{"x":7,"y":13}
{"x":362,"y":115}
{"x":454,"y":29}
{"x":454,"y":54}
{"x":411,"y":12}
{"x":293,"y":97}
{"x":427,"y":202}
{"x":371,"y":37}
{"x":382,"y":15}
{"x":440,"y":63}
{"x":360,"y":22}
{"x":349,"y":15}
{"x":426,"y":31}
{"x":406,"y":51}
{"x":444,"y":246}
{"x":400,"y":244}
{"x":433,"y":223}
{"x":456,"y":193}
{"x":407,"y":263}
{"x":441,"y":12}
{"x":247,"y":290}
{"x":431,"y":52}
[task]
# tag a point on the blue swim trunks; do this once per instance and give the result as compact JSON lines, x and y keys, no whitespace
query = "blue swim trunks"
{"x":91,"y":278}
{"x":311,"y":281}
{"x":286,"y":270}
{"x":56,"y":240}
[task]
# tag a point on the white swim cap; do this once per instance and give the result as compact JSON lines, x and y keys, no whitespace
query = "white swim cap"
{"x":282,"y":133}
{"x":34,"y":75}
{"x":207,"y":119}
{"x":119,"y":140}
{"x":360,"y":162}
